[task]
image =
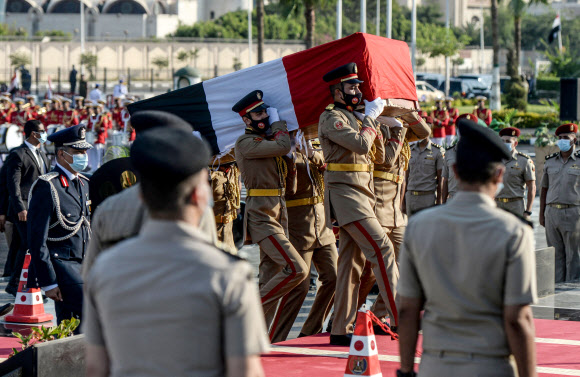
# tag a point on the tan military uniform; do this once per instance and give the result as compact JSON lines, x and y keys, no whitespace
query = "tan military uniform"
{"x":349,"y":199}
{"x":226,"y":195}
{"x":463,"y":325}
{"x":120,"y":217}
{"x":135,"y":290}
{"x":562,"y":213}
{"x":448,"y":174}
{"x":316,"y":244}
{"x":519,"y":170}
{"x":422,"y":182}
{"x":266,"y":220}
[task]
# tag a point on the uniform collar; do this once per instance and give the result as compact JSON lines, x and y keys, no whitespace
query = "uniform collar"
{"x":428,"y":147}
{"x":68,"y":174}
{"x":572,"y":156}
{"x":162,"y":228}
{"x":514,"y":154}
{"x":472,"y":197}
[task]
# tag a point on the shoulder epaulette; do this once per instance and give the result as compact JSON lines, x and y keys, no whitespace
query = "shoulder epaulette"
{"x":82,"y":176}
{"x":552,"y":155}
{"x":524,"y":155}
{"x":330,"y":107}
{"x":436,"y":145}
{"x":48,"y":176}
{"x":451,"y":147}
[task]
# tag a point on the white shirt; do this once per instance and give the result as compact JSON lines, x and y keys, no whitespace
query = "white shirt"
{"x":34,"y":151}
{"x":70,"y":177}
{"x":95,"y":94}
{"x":120,"y":90}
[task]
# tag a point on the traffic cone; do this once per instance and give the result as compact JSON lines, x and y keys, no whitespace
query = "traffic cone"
{"x":28,"y":306}
{"x":363,"y":357}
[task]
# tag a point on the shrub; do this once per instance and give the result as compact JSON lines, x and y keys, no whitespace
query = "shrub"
{"x":529,"y":120}
{"x":516,"y":95}
{"x":548,"y":83}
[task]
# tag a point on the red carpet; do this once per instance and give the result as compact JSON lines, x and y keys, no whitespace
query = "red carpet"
{"x":557,"y":347}
{"x":6,"y":344}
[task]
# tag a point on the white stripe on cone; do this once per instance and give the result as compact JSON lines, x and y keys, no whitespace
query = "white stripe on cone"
{"x":24,"y":275}
{"x":369,"y":346}
{"x":28,"y":298}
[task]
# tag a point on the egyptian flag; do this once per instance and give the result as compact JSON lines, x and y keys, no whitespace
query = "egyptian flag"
{"x":293,"y":85}
{"x":556,"y":27}
{"x":49,"y":89}
{"x":14,"y":83}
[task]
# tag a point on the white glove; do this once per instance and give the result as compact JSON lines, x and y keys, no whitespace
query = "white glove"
{"x":374,"y":108}
{"x":390,"y":121}
{"x":273,"y":114}
{"x":358,"y":115}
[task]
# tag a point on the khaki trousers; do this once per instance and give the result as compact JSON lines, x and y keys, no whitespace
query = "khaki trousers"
{"x":360,"y":241}
{"x":433,"y":365}
{"x":325,"y":260}
{"x":563,"y":233}
{"x":517,"y":207}
{"x":416,"y":203}
{"x":278,"y":278}
{"x":368,"y":280}
{"x":225,"y":234}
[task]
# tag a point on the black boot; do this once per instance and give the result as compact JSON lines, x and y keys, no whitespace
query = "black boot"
{"x":340,"y":340}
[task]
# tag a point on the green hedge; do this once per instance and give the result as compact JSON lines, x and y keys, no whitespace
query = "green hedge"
{"x":548,"y":83}
{"x":529,"y":120}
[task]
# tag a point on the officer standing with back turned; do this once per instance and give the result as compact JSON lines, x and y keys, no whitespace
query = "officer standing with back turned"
{"x":58,"y":224}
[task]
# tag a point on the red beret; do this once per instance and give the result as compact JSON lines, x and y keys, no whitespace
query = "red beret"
{"x":423,"y":113}
{"x":428,"y":119}
{"x":509,"y":131}
{"x":567,"y":128}
{"x":468,"y":116}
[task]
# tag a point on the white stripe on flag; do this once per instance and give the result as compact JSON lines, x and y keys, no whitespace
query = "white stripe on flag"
{"x":366,"y":349}
{"x":28,"y":298}
{"x":556,"y":22}
{"x":222,"y":93}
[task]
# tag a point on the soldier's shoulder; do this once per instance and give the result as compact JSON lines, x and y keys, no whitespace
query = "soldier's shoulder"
{"x":83,"y":177}
{"x":329,"y":107}
{"x":524,"y":155}
{"x":451,"y":147}
{"x":49,"y":176}
{"x":439,"y":147}
{"x":551,"y":155}
{"x":517,"y":218}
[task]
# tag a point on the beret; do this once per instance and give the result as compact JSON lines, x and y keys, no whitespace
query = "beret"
{"x":144,"y":120}
{"x":252,"y":102}
{"x":345,"y":73}
{"x":467,"y":116}
{"x":567,"y":128}
{"x":73,"y":137}
{"x":479,"y":144}
{"x":168,"y":155}
{"x":509,"y":131}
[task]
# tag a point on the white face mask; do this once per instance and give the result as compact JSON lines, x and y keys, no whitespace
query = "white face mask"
{"x":509,"y":146}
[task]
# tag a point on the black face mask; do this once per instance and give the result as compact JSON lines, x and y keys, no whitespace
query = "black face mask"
{"x":261,"y":125}
{"x":352,"y":99}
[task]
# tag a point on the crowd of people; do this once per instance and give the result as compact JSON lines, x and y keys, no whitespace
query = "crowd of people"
{"x":356,"y":203}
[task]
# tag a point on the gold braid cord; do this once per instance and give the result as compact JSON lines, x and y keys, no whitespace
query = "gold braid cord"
{"x":406,"y":153}
{"x":373,"y":147}
{"x":282,"y":170}
{"x":232,"y":188}
{"x":317,"y":180}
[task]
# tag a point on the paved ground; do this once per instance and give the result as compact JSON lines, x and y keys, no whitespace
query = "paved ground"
{"x":565,"y":304}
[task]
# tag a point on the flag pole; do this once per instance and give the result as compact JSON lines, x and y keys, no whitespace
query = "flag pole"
{"x":378,"y":20}
{"x":250,"y":4}
{"x":339,"y":19}
{"x":82,"y":33}
{"x":389,"y":16}
{"x":363,"y":16}
{"x":413,"y":34}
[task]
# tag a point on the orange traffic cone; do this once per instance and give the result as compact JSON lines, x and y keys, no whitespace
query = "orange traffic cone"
{"x":363,"y":357}
{"x":28,"y":306}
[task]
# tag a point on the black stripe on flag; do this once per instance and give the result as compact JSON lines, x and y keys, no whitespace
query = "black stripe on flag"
{"x":187,"y":103}
{"x":556,"y":26}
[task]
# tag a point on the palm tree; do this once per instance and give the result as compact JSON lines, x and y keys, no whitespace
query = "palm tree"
{"x":309,"y":7}
{"x":260,"y":22}
{"x":518,"y":8}
{"x":495,"y":102}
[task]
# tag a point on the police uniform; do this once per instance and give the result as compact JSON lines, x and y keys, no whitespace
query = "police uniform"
{"x":519,"y":171}
{"x":225,"y":178}
{"x":561,"y":183}
{"x":264,"y":173}
{"x":315,"y":243}
{"x":449,"y":180}
{"x":489,"y":263}
{"x":198,"y":290}
{"x":59,"y":228}
{"x":482,"y":112}
{"x":349,"y":198}
{"x":425,"y":169}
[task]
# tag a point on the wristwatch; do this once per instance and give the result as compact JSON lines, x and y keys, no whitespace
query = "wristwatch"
{"x":529,"y":213}
{"x":408,"y":374}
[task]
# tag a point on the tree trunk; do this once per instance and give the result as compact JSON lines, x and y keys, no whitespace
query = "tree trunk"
{"x":518,"y":43}
{"x":495,"y":100}
{"x":310,"y":16}
{"x":260,"y":20}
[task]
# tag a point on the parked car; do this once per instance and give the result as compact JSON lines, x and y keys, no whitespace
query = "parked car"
{"x":435,"y":79}
{"x":457,"y":86}
{"x":426,"y":92}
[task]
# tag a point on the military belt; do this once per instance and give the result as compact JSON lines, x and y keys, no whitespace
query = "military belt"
{"x":349,"y":167}
{"x":507,"y":200}
{"x":562,"y":206}
{"x":303,"y":202}
{"x":389,"y":176}
{"x":420,"y":193}
{"x":265,"y":192}
{"x":465,"y":355}
{"x":220,"y":219}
